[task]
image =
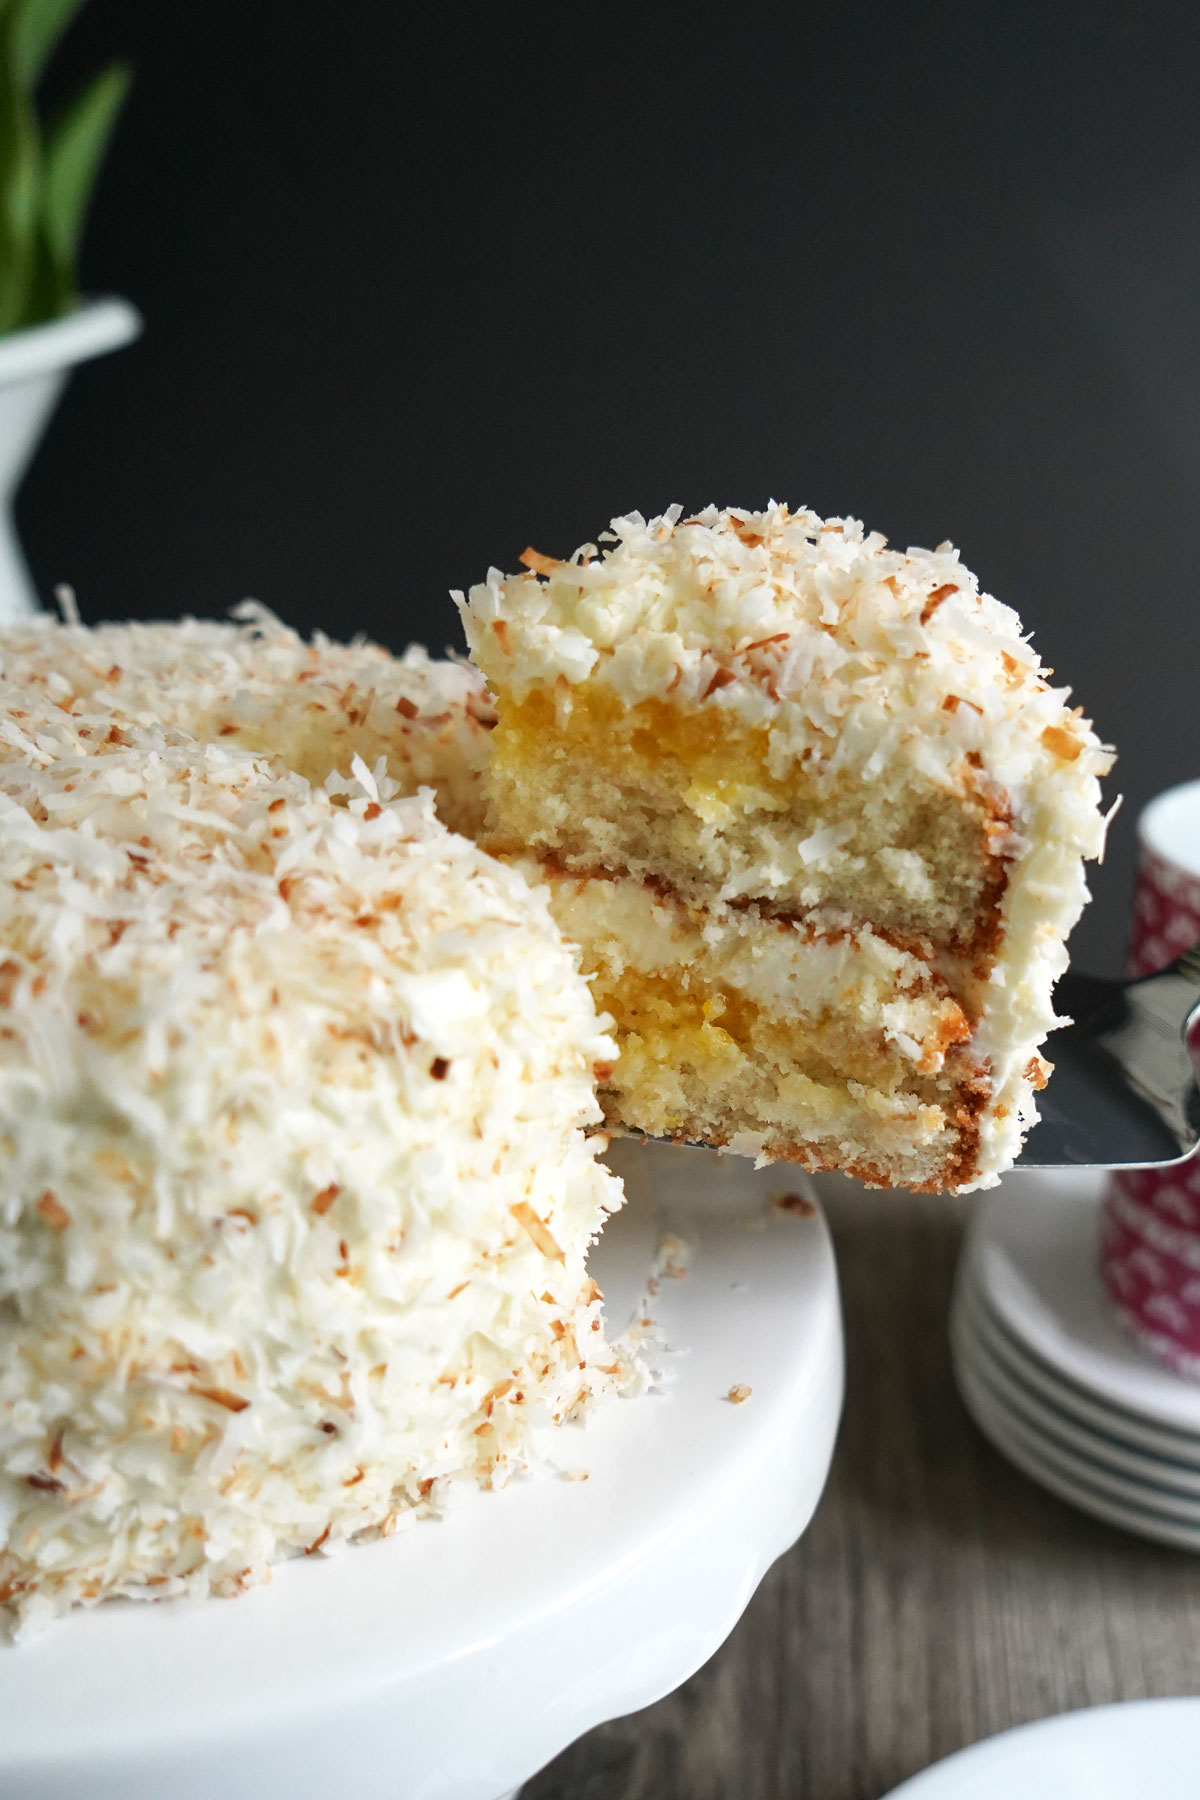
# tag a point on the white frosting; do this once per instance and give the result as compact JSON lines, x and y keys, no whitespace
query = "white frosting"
{"x":294,"y":1191}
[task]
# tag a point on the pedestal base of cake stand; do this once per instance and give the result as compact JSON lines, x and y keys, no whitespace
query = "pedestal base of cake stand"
{"x":453,"y":1660}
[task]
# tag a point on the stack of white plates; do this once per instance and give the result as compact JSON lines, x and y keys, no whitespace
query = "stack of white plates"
{"x":1050,"y":1376}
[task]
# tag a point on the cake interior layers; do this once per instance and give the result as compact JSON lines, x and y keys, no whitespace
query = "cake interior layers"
{"x":709,"y":806}
{"x":837,"y":1049}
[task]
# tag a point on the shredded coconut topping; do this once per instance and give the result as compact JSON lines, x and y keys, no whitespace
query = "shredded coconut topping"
{"x":295,"y":1190}
{"x":311,"y":707}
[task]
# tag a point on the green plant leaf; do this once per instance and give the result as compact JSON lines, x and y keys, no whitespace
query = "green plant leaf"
{"x":51,"y":289}
{"x":74,"y":147}
{"x":38,"y":26}
{"x":19,"y":160}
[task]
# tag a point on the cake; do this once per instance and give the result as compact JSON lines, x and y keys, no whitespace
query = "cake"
{"x":311,"y":707}
{"x":816,"y":817}
{"x":297,"y":1174}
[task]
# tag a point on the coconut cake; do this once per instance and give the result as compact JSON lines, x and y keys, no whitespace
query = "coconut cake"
{"x":819,"y":820}
{"x":298,"y":1167}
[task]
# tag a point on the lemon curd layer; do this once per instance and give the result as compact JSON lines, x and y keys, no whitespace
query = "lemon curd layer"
{"x":710,"y":1032}
{"x":718,"y":1069}
{"x":720,"y":768}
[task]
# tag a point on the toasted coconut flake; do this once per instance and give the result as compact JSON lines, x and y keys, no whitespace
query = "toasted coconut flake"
{"x":739,"y":1393}
{"x":721,"y":678}
{"x":1061,"y":742}
{"x":220,"y":1396}
{"x":9,"y":973}
{"x":539,"y":564}
{"x":53,"y":1212}
{"x":935,"y":600}
{"x":541,"y":1234}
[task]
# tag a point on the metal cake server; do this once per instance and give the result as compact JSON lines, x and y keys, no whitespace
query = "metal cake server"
{"x":1123,"y":1094}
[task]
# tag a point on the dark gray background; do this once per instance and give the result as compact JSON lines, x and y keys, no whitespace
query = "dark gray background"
{"x":420,"y":290}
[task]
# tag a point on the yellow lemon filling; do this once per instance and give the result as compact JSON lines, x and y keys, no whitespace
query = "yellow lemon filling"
{"x":716,"y":766}
{"x":716,"y":1031}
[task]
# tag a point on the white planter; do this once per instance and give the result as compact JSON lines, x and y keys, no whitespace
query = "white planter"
{"x":34,"y":366}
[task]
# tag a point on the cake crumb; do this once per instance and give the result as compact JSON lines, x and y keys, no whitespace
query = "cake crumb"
{"x":671,"y":1259}
{"x":798,"y":1204}
{"x":739,"y":1393}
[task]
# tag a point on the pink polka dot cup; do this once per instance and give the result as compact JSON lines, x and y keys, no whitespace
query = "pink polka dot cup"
{"x":1150,"y":1224}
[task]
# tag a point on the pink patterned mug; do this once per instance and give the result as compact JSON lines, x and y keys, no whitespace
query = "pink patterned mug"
{"x":1150,"y":1223}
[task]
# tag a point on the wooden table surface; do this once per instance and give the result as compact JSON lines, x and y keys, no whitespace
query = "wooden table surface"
{"x":938,"y":1596}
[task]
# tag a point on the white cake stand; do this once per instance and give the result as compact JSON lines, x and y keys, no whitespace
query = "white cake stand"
{"x":455,"y":1659}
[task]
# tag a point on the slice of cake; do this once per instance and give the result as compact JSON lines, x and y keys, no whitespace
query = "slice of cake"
{"x":818,"y":821}
{"x":296,"y":1180}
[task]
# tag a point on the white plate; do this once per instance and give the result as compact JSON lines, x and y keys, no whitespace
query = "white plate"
{"x":1070,"y":1479}
{"x":1138,"y":1748}
{"x":1073,"y":1452}
{"x":451,"y":1661}
{"x":1180,"y":1450}
{"x":977,"y":1341}
{"x":1033,"y":1246}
